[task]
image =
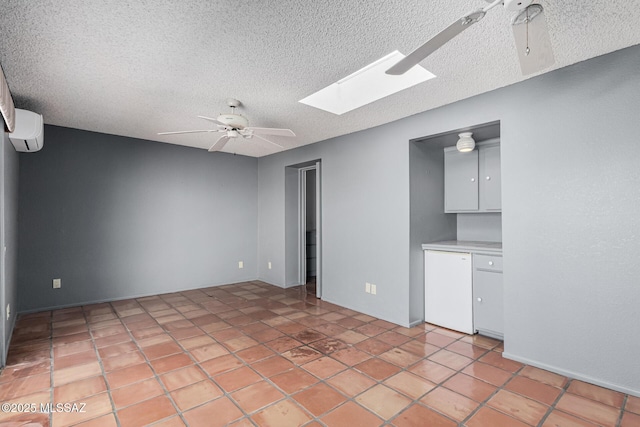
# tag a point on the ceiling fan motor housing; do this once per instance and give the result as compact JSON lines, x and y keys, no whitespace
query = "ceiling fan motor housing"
{"x":234,"y":121}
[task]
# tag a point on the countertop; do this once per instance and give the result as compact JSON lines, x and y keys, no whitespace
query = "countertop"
{"x":493,"y":248}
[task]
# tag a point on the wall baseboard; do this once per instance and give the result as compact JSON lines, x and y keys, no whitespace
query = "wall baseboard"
{"x":3,"y":358}
{"x":416,"y":323}
{"x":359,"y":310}
{"x":279,"y":285}
{"x":272,"y":283}
{"x":103,"y":300}
{"x":571,"y":374}
{"x":406,"y":325}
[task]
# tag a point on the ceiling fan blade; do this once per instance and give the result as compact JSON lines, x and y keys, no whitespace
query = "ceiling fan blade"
{"x":270,"y":131}
{"x":219,"y":144}
{"x":187,"y":131}
{"x":435,"y":43}
{"x":212,"y":120}
{"x":270,"y":142}
{"x":534,"y":49}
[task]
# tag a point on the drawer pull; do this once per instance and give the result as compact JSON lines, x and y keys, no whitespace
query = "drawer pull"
{"x":479,"y":299}
{"x":473,"y":180}
{"x":490,"y":262}
{"x":488,"y":178}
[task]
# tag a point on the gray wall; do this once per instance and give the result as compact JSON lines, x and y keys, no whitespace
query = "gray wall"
{"x":364,"y":185}
{"x":116,"y":217}
{"x":570,"y":198}
{"x":570,"y":223}
{"x":485,"y":227}
{"x":9,"y":240}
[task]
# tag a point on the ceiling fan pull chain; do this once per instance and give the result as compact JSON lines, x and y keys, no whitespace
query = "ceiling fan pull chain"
{"x":527,"y":50}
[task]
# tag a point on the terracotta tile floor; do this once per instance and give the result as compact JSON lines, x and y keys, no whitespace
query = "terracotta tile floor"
{"x":251,"y":354}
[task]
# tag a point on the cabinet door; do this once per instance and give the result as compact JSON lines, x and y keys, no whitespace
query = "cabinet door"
{"x":460,"y":181}
{"x":487,"y":302}
{"x":490,"y":178}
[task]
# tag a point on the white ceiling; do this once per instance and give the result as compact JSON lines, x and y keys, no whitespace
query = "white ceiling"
{"x":135,"y":68}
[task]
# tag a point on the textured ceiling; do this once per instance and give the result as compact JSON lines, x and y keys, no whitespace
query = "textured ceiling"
{"x":136,"y":68}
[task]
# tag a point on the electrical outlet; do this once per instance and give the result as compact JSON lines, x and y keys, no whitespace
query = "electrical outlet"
{"x":373,"y":289}
{"x":8,"y":311}
{"x":240,"y":264}
{"x":367,"y":287}
{"x":57,"y":283}
{"x":269,"y":263}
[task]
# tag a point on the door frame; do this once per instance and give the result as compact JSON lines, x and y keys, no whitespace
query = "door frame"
{"x":302,"y":226}
{"x":3,"y":250}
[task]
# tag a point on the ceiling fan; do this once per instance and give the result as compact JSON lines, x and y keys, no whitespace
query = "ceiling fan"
{"x":235,"y":126}
{"x":529,"y":30}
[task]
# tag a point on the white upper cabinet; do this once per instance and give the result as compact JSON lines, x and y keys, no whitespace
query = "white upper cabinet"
{"x":490,"y":179}
{"x":460,"y":181}
{"x":472,"y":181}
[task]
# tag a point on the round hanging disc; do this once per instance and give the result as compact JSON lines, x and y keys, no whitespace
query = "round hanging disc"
{"x":528,"y":14}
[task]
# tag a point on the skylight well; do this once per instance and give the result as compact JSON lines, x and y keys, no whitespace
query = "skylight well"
{"x":366,"y":85}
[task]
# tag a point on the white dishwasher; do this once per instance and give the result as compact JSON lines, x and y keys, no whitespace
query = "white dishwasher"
{"x":448,"y":290}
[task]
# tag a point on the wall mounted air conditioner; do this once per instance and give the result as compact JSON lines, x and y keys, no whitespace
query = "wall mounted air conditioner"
{"x":28,"y":135}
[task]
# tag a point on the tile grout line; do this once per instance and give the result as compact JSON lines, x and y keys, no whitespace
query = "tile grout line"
{"x":324,"y":380}
{"x":197,"y":363}
{"x":485,"y":401}
{"x":622,"y":410}
{"x":100,"y":360}
{"x":148,"y":363}
{"x":287,"y":396}
{"x":441,"y":383}
{"x":184,"y":351}
{"x":51,"y":361}
{"x":246,"y":364}
{"x":104,"y":374}
{"x":381,"y":382}
{"x":553,"y":407}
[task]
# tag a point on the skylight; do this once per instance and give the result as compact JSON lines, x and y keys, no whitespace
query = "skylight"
{"x":366,"y":85}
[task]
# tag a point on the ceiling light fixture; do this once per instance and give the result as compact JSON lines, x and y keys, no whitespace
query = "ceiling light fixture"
{"x":466,"y":143}
{"x":365,"y":86}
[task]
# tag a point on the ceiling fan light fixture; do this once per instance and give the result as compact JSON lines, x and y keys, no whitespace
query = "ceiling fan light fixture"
{"x":466,"y":143}
{"x":235,"y":126}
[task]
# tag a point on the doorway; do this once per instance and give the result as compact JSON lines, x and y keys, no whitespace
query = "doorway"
{"x":303,"y":226}
{"x":3,"y":325}
{"x":308,"y":228}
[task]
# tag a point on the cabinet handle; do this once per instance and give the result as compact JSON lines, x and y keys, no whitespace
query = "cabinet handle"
{"x":473,"y":180}
{"x":488,"y":178}
{"x":479,"y":299}
{"x":490,"y":262}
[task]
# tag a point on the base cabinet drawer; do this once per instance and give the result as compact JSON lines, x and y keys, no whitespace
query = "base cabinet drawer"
{"x":487,"y":262}
{"x":488,"y":312}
